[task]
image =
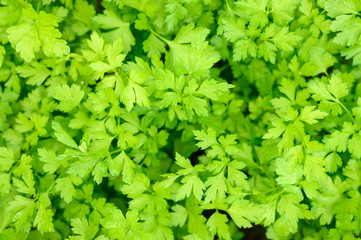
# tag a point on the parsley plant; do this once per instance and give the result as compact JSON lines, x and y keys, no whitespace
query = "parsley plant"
{"x":180,"y":119}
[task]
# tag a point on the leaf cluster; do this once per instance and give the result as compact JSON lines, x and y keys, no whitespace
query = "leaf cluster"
{"x":180,"y":119}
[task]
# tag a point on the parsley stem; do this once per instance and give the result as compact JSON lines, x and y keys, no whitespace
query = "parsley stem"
{"x":229,"y":9}
{"x":74,"y":44}
{"x":125,"y":75}
{"x":53,"y":184}
{"x":268,"y":191}
{"x":227,"y":3}
{"x":265,"y":172}
{"x":116,"y":151}
{"x":159,"y":36}
{"x":347,"y":111}
{"x":224,"y":67}
{"x":38,"y":6}
{"x":262,"y":170}
{"x":188,"y":77}
{"x":14,"y":166}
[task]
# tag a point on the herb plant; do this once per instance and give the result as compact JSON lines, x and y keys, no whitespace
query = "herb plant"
{"x":180,"y":119}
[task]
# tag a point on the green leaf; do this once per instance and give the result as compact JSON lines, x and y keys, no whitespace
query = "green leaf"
{"x":353,"y":172}
{"x":353,"y":52}
{"x":267,"y":50}
{"x":99,"y":172}
{"x":184,"y":163}
{"x":269,"y":212}
{"x":175,"y":12}
{"x":345,"y":23}
{"x":24,"y":166}
{"x":83,"y":13}
{"x":319,"y":91}
{"x":5,"y":184}
{"x":44,"y":217}
{"x":321,"y":59}
{"x":354,"y":145}
{"x":2,"y":54}
{"x":287,"y":174}
{"x":205,"y":139}
{"x":100,"y":67}
{"x":338,"y":139}
{"x":49,"y":36}
{"x":232,"y":29}
{"x":139,"y":184}
{"x":83,"y":229}
{"x":255,"y":12}
{"x":314,"y":168}
{"x":217,"y":188}
{"x":65,"y":186}
{"x":190,"y":184}
{"x":68,"y":97}
{"x":333,"y":162}
{"x":311,"y":116}
{"x":283,"y":11}
{"x":24,"y":124}
{"x":275,"y":132}
{"x":212,"y":89}
{"x":337,"y":87}
{"x":35,"y":72}
{"x":235,"y":176}
{"x":6,"y":159}
{"x":124,"y":164}
{"x":114,"y":53}
{"x":116,"y":28}
{"x":23,"y":208}
{"x":62,"y":135}
{"x":48,"y":157}
{"x":153,"y":46}
{"x":288,"y":207}
{"x":217,"y":224}
{"x":25,"y":39}
{"x":96,"y":44}
{"x":38,"y":30}
{"x":243,"y":48}
{"x":27,"y":185}
{"x":185,"y":58}
{"x":178,"y":215}
{"x":114,"y":221}
{"x":285,"y":40}
{"x":338,"y":7}
{"x":134,"y":93}
{"x":243,"y":213}
{"x":288,"y":88}
{"x":198,"y":105}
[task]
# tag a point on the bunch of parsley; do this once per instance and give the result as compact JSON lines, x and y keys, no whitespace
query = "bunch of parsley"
{"x":180,"y":119}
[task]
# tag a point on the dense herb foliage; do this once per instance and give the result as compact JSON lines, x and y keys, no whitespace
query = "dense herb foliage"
{"x":180,"y":119}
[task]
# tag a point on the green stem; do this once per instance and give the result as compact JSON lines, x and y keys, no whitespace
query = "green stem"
{"x":262,"y":169}
{"x":38,"y":6}
{"x":265,"y":172}
{"x":74,"y":44}
{"x":116,"y":151}
{"x":188,"y":77}
{"x":125,"y":75}
{"x":14,"y":167}
{"x":270,"y":190}
{"x":53,"y":184}
{"x":159,"y":36}
{"x":227,"y":3}
{"x":224,"y":67}
{"x":347,"y":111}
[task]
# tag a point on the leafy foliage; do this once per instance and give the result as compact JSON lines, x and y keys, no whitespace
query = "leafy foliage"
{"x":180,"y":119}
